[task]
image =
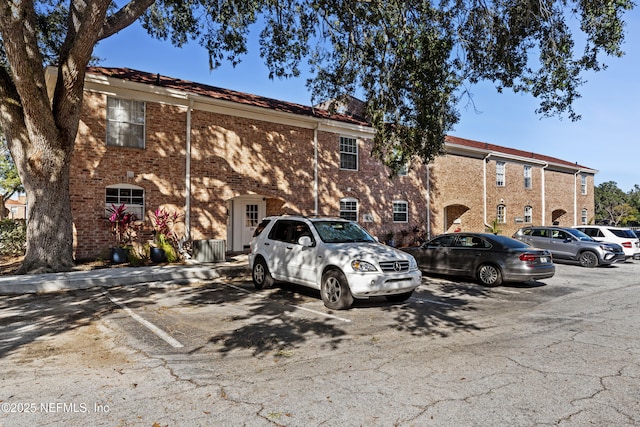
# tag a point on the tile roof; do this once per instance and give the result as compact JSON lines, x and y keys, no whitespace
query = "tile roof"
{"x":222,"y":94}
{"x":484,"y":146}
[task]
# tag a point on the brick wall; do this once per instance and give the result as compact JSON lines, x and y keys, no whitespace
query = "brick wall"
{"x":235,"y":156}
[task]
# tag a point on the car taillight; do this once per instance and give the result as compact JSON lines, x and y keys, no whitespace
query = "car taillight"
{"x":626,"y":245}
{"x":527,"y":257}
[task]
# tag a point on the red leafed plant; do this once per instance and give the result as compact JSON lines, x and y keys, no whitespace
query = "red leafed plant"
{"x":165,"y":234}
{"x":122,"y":223}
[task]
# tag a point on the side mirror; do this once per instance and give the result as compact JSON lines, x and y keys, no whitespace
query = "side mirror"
{"x":305,"y":241}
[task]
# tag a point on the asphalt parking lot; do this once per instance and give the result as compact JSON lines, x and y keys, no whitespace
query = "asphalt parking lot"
{"x":564,"y":351}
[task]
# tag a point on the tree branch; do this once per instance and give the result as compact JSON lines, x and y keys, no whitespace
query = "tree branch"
{"x":124,"y":17}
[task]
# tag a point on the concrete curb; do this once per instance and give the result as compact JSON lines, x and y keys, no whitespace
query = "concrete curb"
{"x":108,"y":277}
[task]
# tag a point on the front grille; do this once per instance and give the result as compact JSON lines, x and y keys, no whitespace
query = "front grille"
{"x":394,"y":266}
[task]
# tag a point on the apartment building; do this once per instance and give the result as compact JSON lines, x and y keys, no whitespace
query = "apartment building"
{"x":225,"y":159}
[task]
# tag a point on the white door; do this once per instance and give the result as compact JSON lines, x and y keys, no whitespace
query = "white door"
{"x":245,"y":213}
{"x":251,"y":219}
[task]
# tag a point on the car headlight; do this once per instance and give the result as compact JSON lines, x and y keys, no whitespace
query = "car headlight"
{"x":362,"y":266}
{"x":413,"y":264}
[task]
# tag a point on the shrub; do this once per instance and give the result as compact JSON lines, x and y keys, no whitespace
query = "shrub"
{"x":13,"y":237}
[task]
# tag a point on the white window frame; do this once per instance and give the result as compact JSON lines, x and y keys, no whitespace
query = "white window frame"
{"x":584,"y":216}
{"x":132,"y":196}
{"x":126,"y":123}
{"x":348,"y":153}
{"x":349,"y":208}
{"x":583,"y":184}
{"x":501,"y":214}
{"x":501,"y":168}
{"x":401,"y":208}
{"x":528,"y":181}
{"x":528,"y":214}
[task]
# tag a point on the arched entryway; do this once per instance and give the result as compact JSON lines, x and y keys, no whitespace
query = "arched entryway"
{"x":453,"y":220}
{"x":558,"y":216}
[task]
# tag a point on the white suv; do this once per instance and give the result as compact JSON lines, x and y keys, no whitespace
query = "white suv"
{"x":334,"y":255}
{"x":625,"y":237}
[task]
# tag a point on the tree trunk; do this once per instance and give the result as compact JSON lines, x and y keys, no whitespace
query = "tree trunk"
{"x":50,"y":225}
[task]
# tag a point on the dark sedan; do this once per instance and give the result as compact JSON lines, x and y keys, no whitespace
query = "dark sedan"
{"x":489,"y":258}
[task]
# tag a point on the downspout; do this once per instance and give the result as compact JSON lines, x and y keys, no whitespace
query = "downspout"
{"x":187,"y":178}
{"x":544,"y":193}
{"x":428,"y":202}
{"x":315,"y":168}
{"x":575,"y":196}
{"x":484,"y":189}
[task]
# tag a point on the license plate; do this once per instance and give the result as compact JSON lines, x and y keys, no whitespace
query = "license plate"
{"x":544,"y":259}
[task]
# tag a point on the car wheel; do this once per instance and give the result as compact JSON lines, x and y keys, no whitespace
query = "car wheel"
{"x":335,"y":291}
{"x":588,"y":259}
{"x":260,"y":274}
{"x":399,"y":297}
{"x":489,"y":275}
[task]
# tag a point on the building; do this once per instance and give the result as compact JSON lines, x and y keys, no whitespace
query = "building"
{"x":16,"y":207}
{"x":225,"y":159}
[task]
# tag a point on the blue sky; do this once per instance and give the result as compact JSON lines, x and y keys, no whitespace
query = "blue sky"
{"x":606,"y":139}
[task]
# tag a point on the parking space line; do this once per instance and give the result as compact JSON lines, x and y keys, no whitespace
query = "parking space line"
{"x":430,"y":301}
{"x":342,"y":319}
{"x":331,"y":316}
{"x":153,"y":328}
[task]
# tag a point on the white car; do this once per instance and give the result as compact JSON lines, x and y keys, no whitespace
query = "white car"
{"x":333,"y":255}
{"x":625,"y":237}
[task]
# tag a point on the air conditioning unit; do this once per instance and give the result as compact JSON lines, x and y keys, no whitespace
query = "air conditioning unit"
{"x":210,"y":250}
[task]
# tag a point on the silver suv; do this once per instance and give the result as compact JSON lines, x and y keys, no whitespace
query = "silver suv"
{"x":571,"y":244}
{"x":334,"y":255}
{"x":622,"y":236}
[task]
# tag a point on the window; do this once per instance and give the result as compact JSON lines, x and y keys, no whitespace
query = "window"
{"x":527,"y":177}
{"x":583,"y":217}
{"x":400,"y":211}
{"x":349,"y":209}
{"x":125,"y":123}
{"x":251,"y":216}
{"x":583,"y":184}
{"x":528,"y":214}
{"x":348,"y":153}
{"x":129,"y":195}
{"x":500,"y":168}
{"x":501,"y":214}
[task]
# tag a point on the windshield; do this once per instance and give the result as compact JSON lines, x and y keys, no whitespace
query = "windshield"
{"x":341,"y":232}
{"x":579,"y":234}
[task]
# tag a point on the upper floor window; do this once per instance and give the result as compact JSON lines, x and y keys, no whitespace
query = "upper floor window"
{"x":583,"y":184}
{"x":584,"y":220}
{"x":400,"y":211}
{"x":130,"y":195}
{"x":349,"y":209}
{"x":527,"y":177}
{"x":500,"y":170}
{"x":528,"y":214}
{"x":348,"y":153}
{"x":501,"y":214}
{"x":125,"y":122}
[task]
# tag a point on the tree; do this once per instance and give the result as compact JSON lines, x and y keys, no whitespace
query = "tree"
{"x":410,"y":60}
{"x":10,"y":183}
{"x":611,"y":203}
